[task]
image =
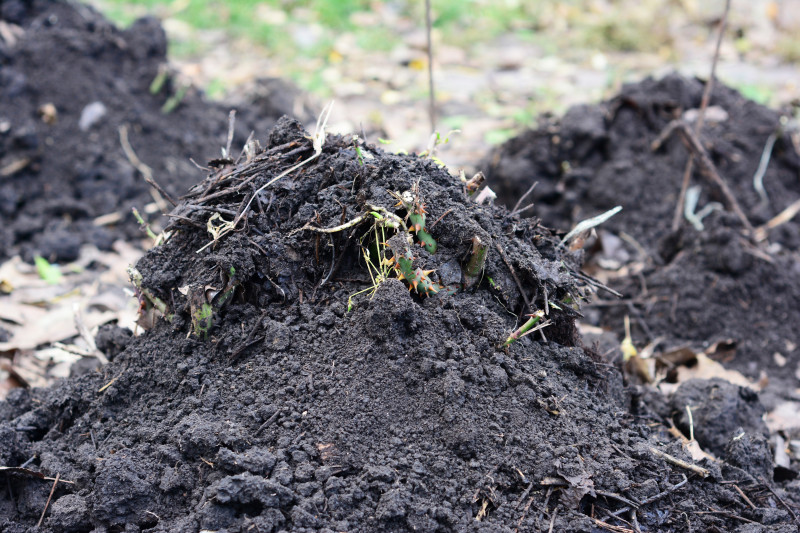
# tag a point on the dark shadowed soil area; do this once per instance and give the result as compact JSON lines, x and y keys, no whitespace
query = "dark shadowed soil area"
{"x":261,"y":403}
{"x":695,"y":286}
{"x":68,"y":81}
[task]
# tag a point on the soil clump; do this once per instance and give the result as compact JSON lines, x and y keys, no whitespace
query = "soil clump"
{"x":271,"y":396}
{"x":69,"y":81}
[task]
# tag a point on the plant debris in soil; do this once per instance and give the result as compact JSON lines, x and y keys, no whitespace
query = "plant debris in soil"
{"x":70,"y":82}
{"x":712,"y":285}
{"x":263,"y":400}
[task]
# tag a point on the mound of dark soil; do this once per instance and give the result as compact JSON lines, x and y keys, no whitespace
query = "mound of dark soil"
{"x":69,"y":80}
{"x":695,"y":287}
{"x":264,"y":404}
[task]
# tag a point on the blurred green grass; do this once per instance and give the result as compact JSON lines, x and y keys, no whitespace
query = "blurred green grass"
{"x":294,"y":29}
{"x":302,"y":38}
{"x":617,"y":26}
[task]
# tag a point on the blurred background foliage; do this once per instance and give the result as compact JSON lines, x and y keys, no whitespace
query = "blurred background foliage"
{"x":502,"y":62}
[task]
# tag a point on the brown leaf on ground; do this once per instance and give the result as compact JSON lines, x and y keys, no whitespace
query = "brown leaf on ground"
{"x":707,"y":368}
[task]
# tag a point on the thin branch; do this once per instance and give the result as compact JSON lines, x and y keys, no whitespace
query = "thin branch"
{"x":522,"y":198}
{"x":47,"y":504}
{"x":698,"y":126}
{"x":146,"y":172}
{"x":744,"y":496}
{"x":706,"y":165}
{"x":781,"y":218}
{"x":702,"y":472}
{"x":431,"y":92}
{"x":514,"y":275}
{"x":231,"y":123}
{"x":660,"y":495}
{"x":318,"y":141}
{"x":440,"y":218}
{"x":783,"y":503}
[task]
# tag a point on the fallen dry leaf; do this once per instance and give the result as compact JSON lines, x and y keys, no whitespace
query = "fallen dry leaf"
{"x":707,"y":368}
{"x":784,"y":417}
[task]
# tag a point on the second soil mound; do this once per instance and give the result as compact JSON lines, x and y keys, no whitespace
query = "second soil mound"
{"x":69,"y":81}
{"x":699,"y":285}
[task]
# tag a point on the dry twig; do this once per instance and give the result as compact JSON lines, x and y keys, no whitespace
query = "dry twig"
{"x":231,"y":123}
{"x":431,"y":93}
{"x":702,"y":472}
{"x":781,"y":218}
{"x":514,"y":275}
{"x":660,"y":495}
{"x":616,"y":529}
{"x":522,"y":198}
{"x":744,"y":496}
{"x":706,"y":165}
{"x":318,"y":141}
{"x":783,"y":503}
{"x":698,"y":127}
{"x":47,"y":504}
{"x":147,"y":173}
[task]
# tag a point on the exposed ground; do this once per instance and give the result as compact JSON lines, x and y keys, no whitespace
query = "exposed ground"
{"x":292,"y":379}
{"x":264,"y":401}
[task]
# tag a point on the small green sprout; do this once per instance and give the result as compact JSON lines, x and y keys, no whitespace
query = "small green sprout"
{"x":527,"y":328}
{"x":359,"y":155}
{"x":144,"y":225}
{"x":48,"y":272}
{"x":384,"y":141}
{"x":435,"y":141}
{"x":158,"y":82}
{"x":175,"y":100}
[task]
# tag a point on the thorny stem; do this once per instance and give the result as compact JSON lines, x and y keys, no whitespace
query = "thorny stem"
{"x":477,"y":260}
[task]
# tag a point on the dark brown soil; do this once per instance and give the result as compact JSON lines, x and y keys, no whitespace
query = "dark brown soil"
{"x":291,"y":413}
{"x":58,"y":175}
{"x":696,"y":287}
{"x":280,"y":409}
